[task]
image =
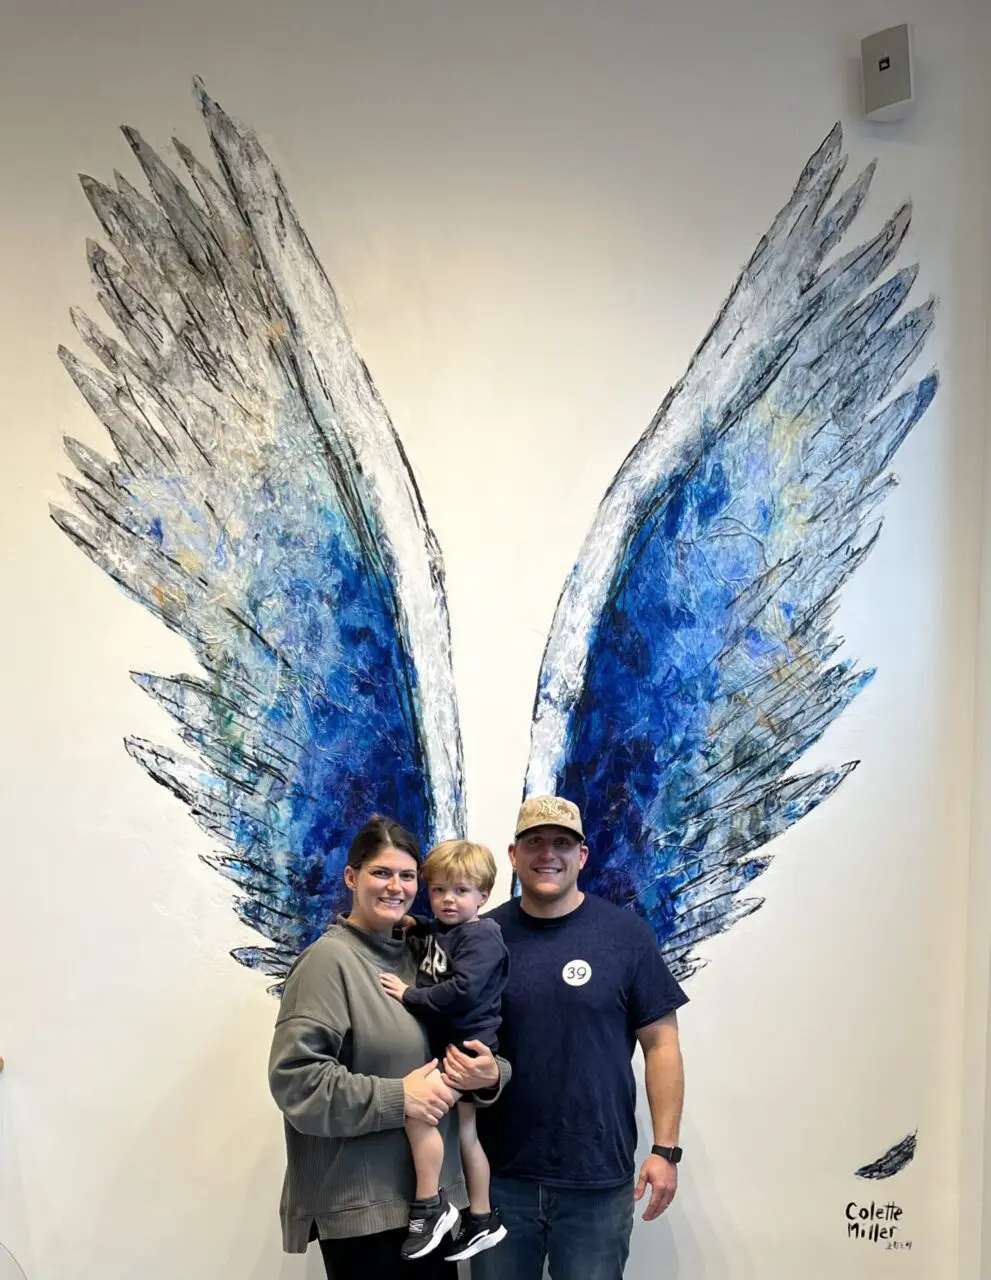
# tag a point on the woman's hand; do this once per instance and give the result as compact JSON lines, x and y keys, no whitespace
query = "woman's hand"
{"x":392,"y":985}
{"x":467,"y":1074}
{"x":427,"y":1096}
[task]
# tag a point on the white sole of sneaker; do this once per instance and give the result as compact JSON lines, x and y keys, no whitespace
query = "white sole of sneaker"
{"x":444,"y":1225}
{"x":477,"y":1246}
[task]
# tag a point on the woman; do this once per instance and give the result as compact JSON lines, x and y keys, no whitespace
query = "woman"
{"x":349,"y":1066}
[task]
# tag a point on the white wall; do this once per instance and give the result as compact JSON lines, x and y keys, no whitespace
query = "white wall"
{"x":532,"y":212}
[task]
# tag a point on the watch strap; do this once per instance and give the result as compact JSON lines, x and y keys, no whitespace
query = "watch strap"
{"x":671,"y":1154}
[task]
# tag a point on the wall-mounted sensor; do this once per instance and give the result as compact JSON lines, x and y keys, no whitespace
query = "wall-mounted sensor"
{"x":887,"y":64}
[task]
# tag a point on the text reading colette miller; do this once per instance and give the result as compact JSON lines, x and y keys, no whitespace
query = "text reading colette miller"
{"x":873,"y":1221}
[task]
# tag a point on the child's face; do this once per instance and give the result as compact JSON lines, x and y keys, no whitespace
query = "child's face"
{"x":455,"y":901}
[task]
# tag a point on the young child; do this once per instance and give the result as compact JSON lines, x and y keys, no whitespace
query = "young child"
{"x":458,"y":995}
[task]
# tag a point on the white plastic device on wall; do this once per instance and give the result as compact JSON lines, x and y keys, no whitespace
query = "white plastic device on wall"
{"x":887,"y":67}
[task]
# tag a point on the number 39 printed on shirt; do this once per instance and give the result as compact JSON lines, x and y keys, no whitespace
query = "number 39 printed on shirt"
{"x":576,"y":973}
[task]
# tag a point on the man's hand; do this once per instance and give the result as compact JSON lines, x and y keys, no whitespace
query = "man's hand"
{"x":427,"y":1096}
{"x":468,"y":1074}
{"x":662,"y":1178}
{"x":392,"y":985}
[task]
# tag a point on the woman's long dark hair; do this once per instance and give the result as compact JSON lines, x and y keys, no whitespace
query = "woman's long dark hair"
{"x":380,"y":833}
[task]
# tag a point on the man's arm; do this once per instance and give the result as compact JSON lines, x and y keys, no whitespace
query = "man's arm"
{"x":481,"y":1077}
{"x":665,"y":1081}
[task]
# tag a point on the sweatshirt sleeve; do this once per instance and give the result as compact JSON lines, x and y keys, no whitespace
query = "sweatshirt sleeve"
{"x":486,"y":1097}
{"x":317,"y":1094}
{"x":478,"y":954}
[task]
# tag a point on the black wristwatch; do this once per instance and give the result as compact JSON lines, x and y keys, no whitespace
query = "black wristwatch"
{"x":671,"y":1154}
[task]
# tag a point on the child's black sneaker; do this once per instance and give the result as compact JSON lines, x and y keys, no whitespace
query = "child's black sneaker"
{"x":478,"y":1231}
{"x":428,"y":1222}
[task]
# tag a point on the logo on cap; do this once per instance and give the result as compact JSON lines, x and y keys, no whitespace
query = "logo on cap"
{"x":549,"y":811}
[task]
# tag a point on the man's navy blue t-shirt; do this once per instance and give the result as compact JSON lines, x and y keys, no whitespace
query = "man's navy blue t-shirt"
{"x":580,"y":987}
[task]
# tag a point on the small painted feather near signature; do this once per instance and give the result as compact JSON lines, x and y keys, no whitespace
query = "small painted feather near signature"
{"x":893,"y":1161}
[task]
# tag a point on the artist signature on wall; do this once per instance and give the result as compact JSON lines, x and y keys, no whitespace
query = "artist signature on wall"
{"x":879,"y":1224}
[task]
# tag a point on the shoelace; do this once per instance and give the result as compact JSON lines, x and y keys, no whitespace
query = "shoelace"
{"x":416,"y":1226}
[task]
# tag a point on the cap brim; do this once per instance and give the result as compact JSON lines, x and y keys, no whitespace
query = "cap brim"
{"x":564,"y":826}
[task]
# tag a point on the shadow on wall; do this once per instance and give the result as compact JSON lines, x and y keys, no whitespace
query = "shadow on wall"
{"x":696,"y":1236}
{"x":247,"y":1177}
{"x":258,"y":1190}
{"x":205,"y":1131}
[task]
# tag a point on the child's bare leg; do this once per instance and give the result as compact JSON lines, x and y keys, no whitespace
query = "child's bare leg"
{"x":427,"y":1147}
{"x":473,"y":1160}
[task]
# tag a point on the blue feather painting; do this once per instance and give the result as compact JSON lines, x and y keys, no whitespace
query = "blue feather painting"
{"x":260,"y":503}
{"x":688,"y":667}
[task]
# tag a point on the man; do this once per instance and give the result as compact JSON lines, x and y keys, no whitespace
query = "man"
{"x":586,"y":983}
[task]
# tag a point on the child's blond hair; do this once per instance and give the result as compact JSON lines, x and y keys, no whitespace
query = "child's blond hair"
{"x":461,"y":859}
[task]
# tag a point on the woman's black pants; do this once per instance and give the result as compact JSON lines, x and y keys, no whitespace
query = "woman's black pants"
{"x":377,"y":1257}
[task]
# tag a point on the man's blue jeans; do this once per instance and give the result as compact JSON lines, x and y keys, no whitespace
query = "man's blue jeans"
{"x":583,"y":1235}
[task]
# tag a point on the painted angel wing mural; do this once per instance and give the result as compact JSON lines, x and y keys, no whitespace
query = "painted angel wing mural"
{"x":261,"y":505}
{"x":689,"y":664}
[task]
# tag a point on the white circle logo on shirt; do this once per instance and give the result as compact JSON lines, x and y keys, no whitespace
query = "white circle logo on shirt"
{"x":576,"y":973}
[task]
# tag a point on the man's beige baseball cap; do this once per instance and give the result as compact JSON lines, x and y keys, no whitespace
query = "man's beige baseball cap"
{"x":549,"y":811}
